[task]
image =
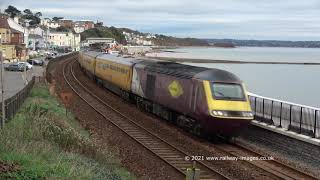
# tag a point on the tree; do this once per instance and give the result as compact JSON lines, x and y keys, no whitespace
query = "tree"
{"x":62,"y":29}
{"x":57,"y":18}
{"x":38,"y":14}
{"x":34,"y":19}
{"x":12,"y":11}
{"x":28,"y":12}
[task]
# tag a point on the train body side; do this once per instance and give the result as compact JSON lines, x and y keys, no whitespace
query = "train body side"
{"x":116,"y":71}
{"x":87,"y":61}
{"x":183,"y":95}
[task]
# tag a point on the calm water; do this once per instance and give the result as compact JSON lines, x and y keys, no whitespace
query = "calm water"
{"x":295,"y":83}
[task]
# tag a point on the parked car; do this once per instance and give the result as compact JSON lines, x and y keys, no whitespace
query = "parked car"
{"x":15,"y":67}
{"x":36,"y":62}
{"x":29,"y":66}
{"x":49,"y":57}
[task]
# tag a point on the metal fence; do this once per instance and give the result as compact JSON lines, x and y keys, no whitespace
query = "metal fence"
{"x":13,"y":104}
{"x":294,"y":117}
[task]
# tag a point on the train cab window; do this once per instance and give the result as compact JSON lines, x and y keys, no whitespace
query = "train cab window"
{"x":225,"y":91}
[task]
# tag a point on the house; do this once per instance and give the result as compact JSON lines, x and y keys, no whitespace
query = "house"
{"x":12,"y":39}
{"x":66,"y":23}
{"x":38,"y":38}
{"x":49,"y":23}
{"x":80,"y":26}
{"x":36,"y":42}
{"x":66,"y":39}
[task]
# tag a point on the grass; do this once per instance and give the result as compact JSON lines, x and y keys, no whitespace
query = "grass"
{"x":45,"y":144}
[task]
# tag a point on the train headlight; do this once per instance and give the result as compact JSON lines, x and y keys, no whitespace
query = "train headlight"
{"x":215,"y":113}
{"x":247,"y":114}
{"x":218,"y":113}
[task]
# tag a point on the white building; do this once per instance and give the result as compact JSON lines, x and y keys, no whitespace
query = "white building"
{"x":45,"y":21}
{"x":94,"y":40}
{"x":79,"y":29}
{"x":64,"y":40}
{"x":137,"y":39}
{"x":38,"y":38}
{"x":53,"y":25}
{"x":82,"y":25}
{"x":49,"y":23}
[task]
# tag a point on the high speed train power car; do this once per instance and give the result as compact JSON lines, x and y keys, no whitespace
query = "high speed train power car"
{"x":200,"y":100}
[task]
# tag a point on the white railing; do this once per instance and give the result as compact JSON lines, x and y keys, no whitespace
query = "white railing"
{"x":294,"y":117}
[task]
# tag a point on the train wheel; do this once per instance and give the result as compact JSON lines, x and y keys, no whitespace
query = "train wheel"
{"x":180,"y":122}
{"x":197,"y":130}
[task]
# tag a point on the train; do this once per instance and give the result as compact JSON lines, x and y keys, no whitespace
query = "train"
{"x":203,"y":101}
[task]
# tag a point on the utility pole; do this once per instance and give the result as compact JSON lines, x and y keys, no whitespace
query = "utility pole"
{"x":25,"y":71}
{"x":2,"y":93}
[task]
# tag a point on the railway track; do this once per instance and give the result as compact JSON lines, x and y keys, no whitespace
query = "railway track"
{"x":167,"y":152}
{"x":277,"y":168}
{"x":170,"y":154}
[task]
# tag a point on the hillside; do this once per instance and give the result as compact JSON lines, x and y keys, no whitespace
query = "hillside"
{"x":162,"y":40}
{"x":110,"y":32}
{"x":267,"y":43}
{"x":159,"y":40}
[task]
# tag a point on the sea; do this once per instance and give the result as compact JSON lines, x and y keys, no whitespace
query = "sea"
{"x":294,"y":83}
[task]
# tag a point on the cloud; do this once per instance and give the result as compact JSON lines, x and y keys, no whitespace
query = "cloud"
{"x":245,"y":19}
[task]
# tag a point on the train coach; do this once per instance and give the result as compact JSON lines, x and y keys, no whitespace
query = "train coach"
{"x":201,"y":100}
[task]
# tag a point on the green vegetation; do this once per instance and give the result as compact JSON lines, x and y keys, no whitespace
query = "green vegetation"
{"x":104,"y":32}
{"x":162,"y":40}
{"x":34,"y":18}
{"x":43,"y":143}
{"x":12,"y":11}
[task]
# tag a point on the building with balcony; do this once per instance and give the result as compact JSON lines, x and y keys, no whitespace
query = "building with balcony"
{"x":12,"y":39}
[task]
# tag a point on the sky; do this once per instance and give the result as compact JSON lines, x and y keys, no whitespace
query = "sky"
{"x":238,"y":19}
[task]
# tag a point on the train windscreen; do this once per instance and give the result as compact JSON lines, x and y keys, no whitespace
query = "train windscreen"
{"x":225,"y":91}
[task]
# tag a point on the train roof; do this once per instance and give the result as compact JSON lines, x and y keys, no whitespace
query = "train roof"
{"x":116,"y":59}
{"x":218,"y":75}
{"x":112,"y":57}
{"x":172,"y":68}
{"x":188,"y":72}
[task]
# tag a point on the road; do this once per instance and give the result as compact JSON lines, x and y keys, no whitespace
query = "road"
{"x":15,"y":81}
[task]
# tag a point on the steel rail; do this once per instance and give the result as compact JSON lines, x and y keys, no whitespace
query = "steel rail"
{"x":273,"y":166}
{"x":161,"y":148}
